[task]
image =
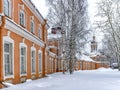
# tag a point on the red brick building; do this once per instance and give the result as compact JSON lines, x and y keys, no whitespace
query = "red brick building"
{"x":23,"y":38}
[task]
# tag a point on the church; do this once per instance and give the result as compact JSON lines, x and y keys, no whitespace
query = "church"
{"x":93,"y":45}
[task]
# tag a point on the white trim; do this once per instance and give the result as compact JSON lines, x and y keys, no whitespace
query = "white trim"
{"x":40,"y":52}
{"x":23,"y":45}
{"x":52,"y":54}
{"x":8,"y":39}
{"x":14,"y":27}
{"x":33,"y":49}
{"x":32,"y":17}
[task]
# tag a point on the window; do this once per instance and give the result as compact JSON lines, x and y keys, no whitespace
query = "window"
{"x":23,"y":60}
{"x":7,"y":7}
{"x":39,"y":33}
{"x":8,"y":59}
{"x":32,"y":26}
{"x":40,"y":61}
{"x":51,"y":64}
{"x":81,"y":65}
{"x":22,"y":18}
{"x":33,"y":61}
{"x":76,"y":66}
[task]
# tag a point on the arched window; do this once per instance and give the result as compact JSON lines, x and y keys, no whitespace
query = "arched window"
{"x":23,"y":58}
{"x":7,"y":7}
{"x":39,"y":32}
{"x":40,"y":61}
{"x":22,"y":18}
{"x":32,"y":26}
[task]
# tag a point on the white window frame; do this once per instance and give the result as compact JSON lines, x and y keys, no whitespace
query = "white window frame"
{"x":40,"y":61}
{"x":7,"y":39}
{"x":22,"y":19}
{"x":23,"y":45}
{"x":33,"y":49}
{"x":32,"y":29}
{"x":8,"y":8}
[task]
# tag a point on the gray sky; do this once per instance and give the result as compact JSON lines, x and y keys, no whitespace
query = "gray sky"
{"x":42,"y":7}
{"x":40,"y":4}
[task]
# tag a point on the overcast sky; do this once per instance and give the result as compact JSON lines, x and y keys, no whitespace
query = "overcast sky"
{"x":42,"y":7}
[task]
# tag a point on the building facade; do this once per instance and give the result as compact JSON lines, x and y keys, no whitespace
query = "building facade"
{"x":23,"y":39}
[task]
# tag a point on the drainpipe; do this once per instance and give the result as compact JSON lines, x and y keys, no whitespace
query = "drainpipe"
{"x":44,"y":35}
{"x":0,"y":37}
{"x":2,"y":23}
{"x":1,"y":6}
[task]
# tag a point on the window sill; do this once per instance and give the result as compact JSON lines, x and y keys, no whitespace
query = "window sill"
{"x":23,"y":74}
{"x":9,"y":76}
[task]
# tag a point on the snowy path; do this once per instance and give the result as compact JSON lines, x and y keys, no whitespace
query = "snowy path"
{"x":101,"y":79}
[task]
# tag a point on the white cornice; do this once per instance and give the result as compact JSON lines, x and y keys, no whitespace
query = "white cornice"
{"x":12,"y":26}
{"x":52,"y":54}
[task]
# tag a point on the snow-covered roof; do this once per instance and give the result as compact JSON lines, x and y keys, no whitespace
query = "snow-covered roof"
{"x":94,"y":54}
{"x":54,"y":36}
{"x":84,"y":58}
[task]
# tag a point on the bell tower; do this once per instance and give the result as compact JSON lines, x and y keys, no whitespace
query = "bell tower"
{"x":93,"y":45}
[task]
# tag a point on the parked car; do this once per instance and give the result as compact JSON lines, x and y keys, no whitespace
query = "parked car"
{"x":114,"y":65}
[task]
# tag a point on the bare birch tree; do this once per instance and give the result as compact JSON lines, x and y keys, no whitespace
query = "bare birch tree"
{"x":71,"y":15}
{"x":109,"y":23}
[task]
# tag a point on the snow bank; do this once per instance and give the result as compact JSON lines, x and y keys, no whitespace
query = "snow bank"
{"x":28,"y":80}
{"x":100,"y":79}
{"x":8,"y":84}
{"x":106,"y":69}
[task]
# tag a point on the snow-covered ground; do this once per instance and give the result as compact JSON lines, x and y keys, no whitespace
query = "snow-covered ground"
{"x":100,"y":79}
